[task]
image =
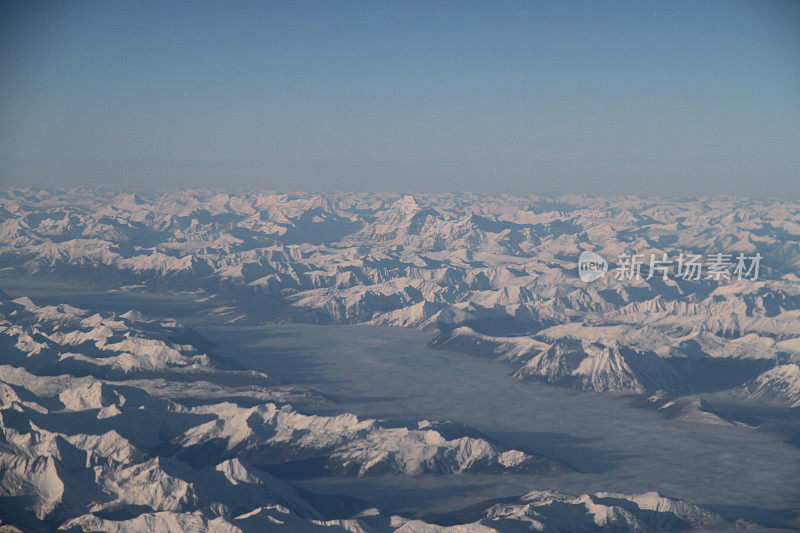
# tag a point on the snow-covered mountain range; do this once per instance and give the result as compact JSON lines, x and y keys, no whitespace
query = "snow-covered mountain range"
{"x":496,"y":275}
{"x":80,"y":440}
{"x":120,"y":422}
{"x":83,"y":449}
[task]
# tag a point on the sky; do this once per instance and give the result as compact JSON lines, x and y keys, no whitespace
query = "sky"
{"x":603,"y":98}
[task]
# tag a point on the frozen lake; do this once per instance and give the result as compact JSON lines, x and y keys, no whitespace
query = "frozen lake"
{"x":392,"y":374}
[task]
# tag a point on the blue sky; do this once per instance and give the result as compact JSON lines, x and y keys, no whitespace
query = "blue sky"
{"x":521,"y":97}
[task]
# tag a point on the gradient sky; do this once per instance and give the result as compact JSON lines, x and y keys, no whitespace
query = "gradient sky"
{"x":541,"y":97}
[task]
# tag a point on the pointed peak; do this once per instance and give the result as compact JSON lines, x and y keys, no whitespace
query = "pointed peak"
{"x":407,"y":203}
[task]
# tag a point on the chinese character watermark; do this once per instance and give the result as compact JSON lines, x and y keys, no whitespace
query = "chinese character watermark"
{"x":719,"y":267}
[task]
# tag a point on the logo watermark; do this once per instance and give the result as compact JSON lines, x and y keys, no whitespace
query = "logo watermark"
{"x":719,"y":267}
{"x":591,"y":266}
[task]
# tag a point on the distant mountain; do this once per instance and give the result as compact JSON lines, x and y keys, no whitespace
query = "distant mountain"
{"x":504,"y":268}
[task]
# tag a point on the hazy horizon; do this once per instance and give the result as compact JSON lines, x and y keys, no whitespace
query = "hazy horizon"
{"x":642,"y":98}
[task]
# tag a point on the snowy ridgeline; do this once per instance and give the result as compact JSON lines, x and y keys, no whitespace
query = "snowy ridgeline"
{"x":496,"y":276}
{"x":121,"y":423}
